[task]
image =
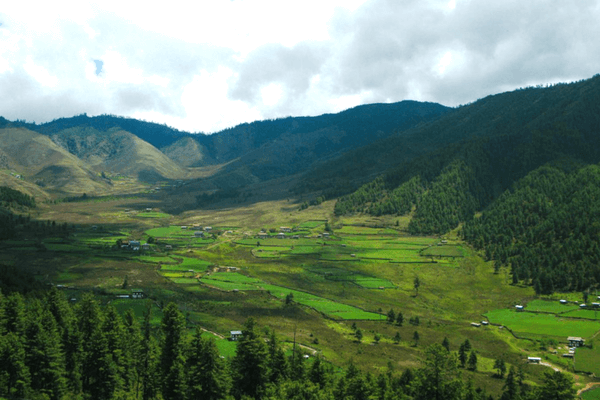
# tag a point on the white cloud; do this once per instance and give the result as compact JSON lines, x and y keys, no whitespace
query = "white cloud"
{"x":221,"y":62}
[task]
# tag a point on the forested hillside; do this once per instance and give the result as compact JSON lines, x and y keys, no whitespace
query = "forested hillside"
{"x":545,"y":229}
{"x":536,"y":224}
{"x":513,"y":119}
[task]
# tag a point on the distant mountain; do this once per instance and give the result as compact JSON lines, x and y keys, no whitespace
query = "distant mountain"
{"x":271,"y":149}
{"x":245,"y":154}
{"x":464,"y":160}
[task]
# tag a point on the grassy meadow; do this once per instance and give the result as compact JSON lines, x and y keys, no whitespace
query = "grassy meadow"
{"x":318,"y":287}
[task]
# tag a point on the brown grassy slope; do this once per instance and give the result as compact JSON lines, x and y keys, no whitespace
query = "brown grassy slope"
{"x":118,"y":151}
{"x":187,"y":152}
{"x":41,"y":161}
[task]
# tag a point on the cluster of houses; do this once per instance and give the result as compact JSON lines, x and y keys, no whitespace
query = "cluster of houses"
{"x":198,"y":230}
{"x":286,"y":229}
{"x":134,"y":245}
{"x":135,"y":294}
{"x":573,"y":343}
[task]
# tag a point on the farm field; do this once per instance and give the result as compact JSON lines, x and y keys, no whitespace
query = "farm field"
{"x":588,"y":360}
{"x":592,"y":394}
{"x":534,"y":325}
{"x":553,"y":307}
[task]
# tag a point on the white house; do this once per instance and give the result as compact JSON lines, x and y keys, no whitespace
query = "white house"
{"x":199,"y":234}
{"x":235,"y":335}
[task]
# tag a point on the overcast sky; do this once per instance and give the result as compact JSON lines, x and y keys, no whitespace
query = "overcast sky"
{"x":211,"y":64}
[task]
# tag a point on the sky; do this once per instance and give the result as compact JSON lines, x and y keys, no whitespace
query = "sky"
{"x":207,"y":65}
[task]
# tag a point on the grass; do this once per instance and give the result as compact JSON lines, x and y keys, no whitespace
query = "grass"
{"x":139,"y":307}
{"x":592,"y":394}
{"x":553,"y":307}
{"x":586,"y":314}
{"x":588,"y":360}
{"x":538,"y":325}
{"x":152,"y":214}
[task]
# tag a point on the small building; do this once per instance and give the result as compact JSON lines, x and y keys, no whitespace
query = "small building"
{"x":352,"y":255}
{"x":582,"y":305}
{"x":137,"y":294}
{"x":199,"y":234}
{"x":263,"y":235}
{"x":296,"y":237}
{"x":444,"y":241}
{"x":168,"y":247}
{"x":134,"y":243}
{"x":475,"y":324}
{"x":235,"y":335}
{"x":519,"y":307}
{"x":484,"y":323}
{"x":208,"y":228}
{"x":563,"y":301}
{"x":184,"y":227}
{"x":231,"y":269}
{"x":281,"y":235}
{"x":534,"y":360}
{"x":325,"y":234}
{"x":148,"y":209}
{"x":595,"y":305}
{"x":569,"y":355}
{"x":575,"y":341}
{"x":122,"y":296}
{"x":285,"y":229}
{"x":145,"y":246}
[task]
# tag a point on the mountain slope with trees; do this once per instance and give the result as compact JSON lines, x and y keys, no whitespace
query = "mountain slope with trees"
{"x":534,"y":182}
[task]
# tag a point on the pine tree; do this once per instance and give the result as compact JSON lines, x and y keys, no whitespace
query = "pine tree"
{"x":250,"y":365}
{"x":472,"y":361}
{"x":172,"y":360}
{"x":44,"y":358}
{"x":279,"y":370}
{"x":446,"y":343}
{"x":391,"y":316}
{"x":207,"y":375}
{"x":399,"y":319}
{"x":500,"y":367}
{"x":13,"y":367}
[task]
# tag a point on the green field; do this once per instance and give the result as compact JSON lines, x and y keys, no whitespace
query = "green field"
{"x":592,"y":394}
{"x":587,"y":314}
{"x":588,"y":360}
{"x":311,"y":224}
{"x":152,"y":214}
{"x":553,"y":307}
{"x":538,"y":325}
{"x":444,"y":251}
